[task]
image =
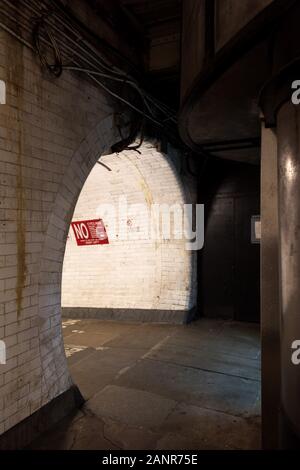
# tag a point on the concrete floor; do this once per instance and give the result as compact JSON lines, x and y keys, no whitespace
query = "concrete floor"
{"x":162,"y":387}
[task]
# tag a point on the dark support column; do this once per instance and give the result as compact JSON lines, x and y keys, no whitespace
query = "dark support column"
{"x":288,"y":133}
{"x":270,"y":316}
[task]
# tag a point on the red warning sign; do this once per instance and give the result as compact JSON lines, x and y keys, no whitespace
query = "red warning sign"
{"x":90,"y":232}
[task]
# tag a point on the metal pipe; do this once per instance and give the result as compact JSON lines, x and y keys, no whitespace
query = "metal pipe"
{"x":288,"y":132}
{"x":86,"y":55}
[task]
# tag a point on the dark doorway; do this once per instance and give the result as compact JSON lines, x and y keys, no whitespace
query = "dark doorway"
{"x":229,"y":264}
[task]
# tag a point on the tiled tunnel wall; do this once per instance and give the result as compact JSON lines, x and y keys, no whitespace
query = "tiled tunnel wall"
{"x":52,"y":132}
{"x":47,"y":149}
{"x":143,"y":277}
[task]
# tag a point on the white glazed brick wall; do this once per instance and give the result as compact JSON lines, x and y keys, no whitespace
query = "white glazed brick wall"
{"x":52,"y":131}
{"x":141,"y":273}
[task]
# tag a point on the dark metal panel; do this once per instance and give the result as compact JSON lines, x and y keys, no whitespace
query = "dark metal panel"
{"x":229,"y":266}
{"x":217,"y":277}
{"x":247,"y":261}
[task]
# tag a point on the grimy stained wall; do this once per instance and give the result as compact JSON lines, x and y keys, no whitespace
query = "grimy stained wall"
{"x":139,"y":274}
{"x":52,"y":132}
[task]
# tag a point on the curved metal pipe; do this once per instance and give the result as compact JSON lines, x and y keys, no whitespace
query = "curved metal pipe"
{"x":288,"y":132}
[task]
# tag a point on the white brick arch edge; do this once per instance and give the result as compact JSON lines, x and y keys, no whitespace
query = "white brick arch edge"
{"x":55,"y":376}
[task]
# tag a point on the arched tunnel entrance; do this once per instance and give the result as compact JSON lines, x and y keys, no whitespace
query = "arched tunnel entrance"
{"x":143,"y":271}
{"x":149,"y":377}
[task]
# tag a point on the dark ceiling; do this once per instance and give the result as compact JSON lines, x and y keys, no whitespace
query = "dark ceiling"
{"x":155,"y":17}
{"x":153,"y":29}
{"x":160,"y":25}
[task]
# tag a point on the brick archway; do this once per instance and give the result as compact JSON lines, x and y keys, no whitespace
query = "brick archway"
{"x":55,"y":378}
{"x":143,"y":273}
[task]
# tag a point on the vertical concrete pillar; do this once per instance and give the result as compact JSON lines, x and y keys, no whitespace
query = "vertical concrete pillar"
{"x":270,"y":316}
{"x":288,"y":132}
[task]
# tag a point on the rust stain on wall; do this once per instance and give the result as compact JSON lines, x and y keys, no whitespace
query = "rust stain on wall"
{"x":21,"y":229}
{"x":16,"y":80}
{"x":143,"y":184}
{"x":146,"y":190}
